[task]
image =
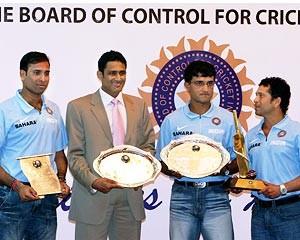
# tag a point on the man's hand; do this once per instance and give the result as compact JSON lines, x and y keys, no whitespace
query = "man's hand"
{"x":230,"y":168}
{"x":251,"y":174}
{"x":65,"y":189}
{"x":137,"y":188}
{"x":105,"y":185}
{"x":238,"y":142}
{"x":165,"y":170}
{"x":230,"y":189}
{"x":26,"y":193}
{"x":271,"y":190}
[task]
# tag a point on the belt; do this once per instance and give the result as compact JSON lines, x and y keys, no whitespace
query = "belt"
{"x":7,"y":187}
{"x":198,"y":184}
{"x":279,"y":202}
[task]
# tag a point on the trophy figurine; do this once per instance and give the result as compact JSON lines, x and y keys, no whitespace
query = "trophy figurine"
{"x":40,"y":174}
{"x":244,"y":181}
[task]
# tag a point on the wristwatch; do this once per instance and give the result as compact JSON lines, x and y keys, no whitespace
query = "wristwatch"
{"x":226,"y":172}
{"x":283,"y":189}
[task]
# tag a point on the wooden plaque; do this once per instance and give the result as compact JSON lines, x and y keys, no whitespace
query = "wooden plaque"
{"x":40,"y":174}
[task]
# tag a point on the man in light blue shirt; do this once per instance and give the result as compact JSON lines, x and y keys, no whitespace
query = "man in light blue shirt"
{"x":199,"y":206}
{"x":274,"y":153}
{"x":30,"y":125}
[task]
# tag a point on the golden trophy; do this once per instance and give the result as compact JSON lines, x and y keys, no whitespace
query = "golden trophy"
{"x":243,"y":181}
{"x":40,"y":174}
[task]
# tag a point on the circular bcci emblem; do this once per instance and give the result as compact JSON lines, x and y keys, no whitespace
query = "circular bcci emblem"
{"x":171,"y":75}
{"x":167,"y":83}
{"x":216,"y":121}
{"x":281,"y":133}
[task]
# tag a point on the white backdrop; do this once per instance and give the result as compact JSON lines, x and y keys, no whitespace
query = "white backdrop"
{"x":74,"y":48}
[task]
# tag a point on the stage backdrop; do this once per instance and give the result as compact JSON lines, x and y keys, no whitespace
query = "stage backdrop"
{"x":245,"y":42}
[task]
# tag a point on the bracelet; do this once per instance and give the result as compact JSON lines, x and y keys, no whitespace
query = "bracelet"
{"x":14,"y":184}
{"x":61,"y":178}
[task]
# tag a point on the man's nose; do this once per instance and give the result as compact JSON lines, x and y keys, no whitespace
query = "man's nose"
{"x":44,"y":77}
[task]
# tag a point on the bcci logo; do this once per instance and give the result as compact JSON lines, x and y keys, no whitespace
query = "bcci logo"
{"x":166,"y":80}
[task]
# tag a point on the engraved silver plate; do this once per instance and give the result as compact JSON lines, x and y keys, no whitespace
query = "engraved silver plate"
{"x":195,"y":156}
{"x":127,"y":165}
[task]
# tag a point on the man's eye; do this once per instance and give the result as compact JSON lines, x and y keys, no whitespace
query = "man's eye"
{"x":121,"y":73}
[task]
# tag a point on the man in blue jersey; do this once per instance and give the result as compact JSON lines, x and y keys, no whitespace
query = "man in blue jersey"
{"x":274,"y":153}
{"x":30,"y":125}
{"x":200,"y":206}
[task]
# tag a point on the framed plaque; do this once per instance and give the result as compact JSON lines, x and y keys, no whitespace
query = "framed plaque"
{"x":195,"y":156}
{"x":40,"y":174}
{"x":127,"y":165}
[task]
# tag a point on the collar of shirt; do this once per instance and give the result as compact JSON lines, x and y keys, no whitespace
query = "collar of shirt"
{"x":25,"y":106}
{"x":193,"y":115}
{"x":106,"y":98}
{"x":280,"y":125}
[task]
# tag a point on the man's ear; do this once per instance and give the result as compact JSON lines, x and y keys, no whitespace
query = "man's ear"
{"x":22,"y":74}
{"x":100,"y":75}
{"x":187,"y":84}
{"x":277,"y":101}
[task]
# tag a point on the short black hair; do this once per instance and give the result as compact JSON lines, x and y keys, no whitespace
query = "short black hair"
{"x":33,"y":58}
{"x":199,"y":69}
{"x":110,"y":57}
{"x":278,"y":88}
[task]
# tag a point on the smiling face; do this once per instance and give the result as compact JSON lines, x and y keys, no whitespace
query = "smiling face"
{"x":36,"y":79}
{"x":113,"y":78}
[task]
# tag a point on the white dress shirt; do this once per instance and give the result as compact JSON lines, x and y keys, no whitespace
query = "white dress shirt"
{"x":106,"y":99}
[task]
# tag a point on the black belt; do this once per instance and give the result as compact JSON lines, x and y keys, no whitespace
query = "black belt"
{"x":279,"y":202}
{"x":198,"y":184}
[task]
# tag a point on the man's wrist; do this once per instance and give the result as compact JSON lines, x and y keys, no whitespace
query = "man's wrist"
{"x":15,"y":184}
{"x":227,"y":170}
{"x":92,"y":189}
{"x":61,"y":177}
{"x":224,"y":171}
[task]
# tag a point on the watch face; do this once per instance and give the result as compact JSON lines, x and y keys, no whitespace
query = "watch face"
{"x":283,"y":189}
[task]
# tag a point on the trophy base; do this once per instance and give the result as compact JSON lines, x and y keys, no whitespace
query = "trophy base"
{"x":245,"y":183}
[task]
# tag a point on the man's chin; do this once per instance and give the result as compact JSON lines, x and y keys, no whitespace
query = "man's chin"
{"x":205,"y":100}
{"x":116,"y":92}
{"x":257,"y":113}
{"x":39,"y":91}
{"x":118,"y":88}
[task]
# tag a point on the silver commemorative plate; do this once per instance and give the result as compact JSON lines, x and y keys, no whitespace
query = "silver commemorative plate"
{"x":127,"y":165}
{"x":195,"y":156}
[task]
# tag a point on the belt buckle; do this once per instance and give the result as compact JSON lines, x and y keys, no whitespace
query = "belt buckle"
{"x":200,"y":184}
